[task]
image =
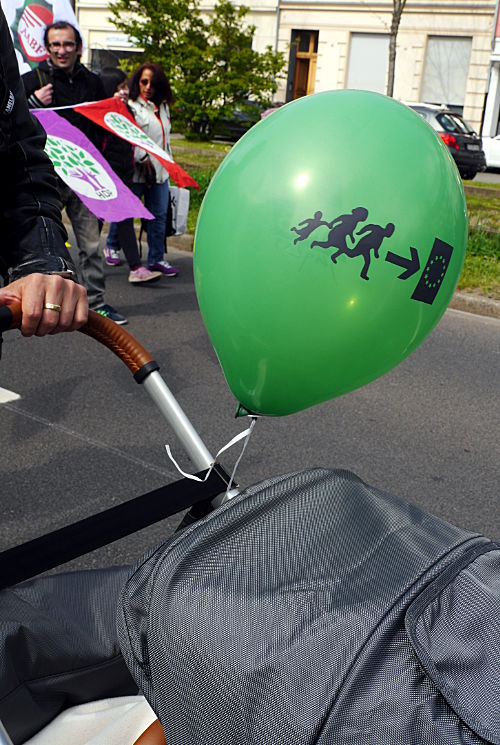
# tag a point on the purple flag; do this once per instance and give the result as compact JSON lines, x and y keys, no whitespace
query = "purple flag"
{"x":81,"y":166}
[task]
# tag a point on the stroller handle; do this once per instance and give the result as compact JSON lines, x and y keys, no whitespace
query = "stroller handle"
{"x":121,"y":343}
{"x":105,"y":331}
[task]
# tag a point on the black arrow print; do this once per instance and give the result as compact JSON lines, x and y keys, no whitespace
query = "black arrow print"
{"x":411,"y":266}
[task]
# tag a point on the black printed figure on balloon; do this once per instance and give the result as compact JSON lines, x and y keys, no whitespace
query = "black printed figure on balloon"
{"x":342,"y":227}
{"x":373,"y":235}
{"x":310,"y":224}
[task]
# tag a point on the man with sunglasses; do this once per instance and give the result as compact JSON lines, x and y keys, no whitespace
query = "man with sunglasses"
{"x":62,"y":80}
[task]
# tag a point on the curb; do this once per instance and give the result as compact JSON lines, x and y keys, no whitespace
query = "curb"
{"x":481,"y":191}
{"x":181,"y":242}
{"x":478,"y":304}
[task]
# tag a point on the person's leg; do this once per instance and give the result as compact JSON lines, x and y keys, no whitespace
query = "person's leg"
{"x":128,"y":242}
{"x":113,"y":240}
{"x":139,"y":191}
{"x":156,"y":200}
{"x":126,"y":238}
{"x":65,"y":193}
{"x":86,"y":229}
{"x":112,"y":247}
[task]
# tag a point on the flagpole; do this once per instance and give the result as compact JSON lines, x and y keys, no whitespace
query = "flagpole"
{"x":71,"y":106}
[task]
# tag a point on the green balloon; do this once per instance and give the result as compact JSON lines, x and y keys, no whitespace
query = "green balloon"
{"x":328,"y":245}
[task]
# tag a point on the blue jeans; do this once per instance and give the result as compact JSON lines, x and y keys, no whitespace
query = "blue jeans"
{"x":156,"y":201}
{"x":112,"y":239}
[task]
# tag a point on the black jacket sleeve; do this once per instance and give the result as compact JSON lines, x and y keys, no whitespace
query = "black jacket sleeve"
{"x":32,"y":236}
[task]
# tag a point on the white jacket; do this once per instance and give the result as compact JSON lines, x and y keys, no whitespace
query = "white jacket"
{"x":157,"y":128}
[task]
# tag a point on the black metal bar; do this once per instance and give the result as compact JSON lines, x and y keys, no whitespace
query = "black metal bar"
{"x":49,"y":551}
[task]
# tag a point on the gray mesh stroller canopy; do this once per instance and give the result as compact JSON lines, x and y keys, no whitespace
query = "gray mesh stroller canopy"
{"x":313,"y":608}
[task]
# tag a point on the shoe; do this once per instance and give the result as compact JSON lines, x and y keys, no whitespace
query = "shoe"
{"x":111,"y":257}
{"x":109,"y":312}
{"x":165,"y":268}
{"x":142,"y":274}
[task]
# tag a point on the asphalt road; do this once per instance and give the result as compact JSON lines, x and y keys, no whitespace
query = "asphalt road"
{"x":492,"y":176}
{"x":84,"y":436}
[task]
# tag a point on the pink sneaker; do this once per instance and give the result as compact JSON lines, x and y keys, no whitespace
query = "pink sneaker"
{"x":141,"y":274}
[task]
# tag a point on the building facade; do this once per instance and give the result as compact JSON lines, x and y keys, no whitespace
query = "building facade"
{"x":491,"y":121}
{"x":446,"y":51}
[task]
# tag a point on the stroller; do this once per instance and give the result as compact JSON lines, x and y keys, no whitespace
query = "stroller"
{"x":308,"y":608}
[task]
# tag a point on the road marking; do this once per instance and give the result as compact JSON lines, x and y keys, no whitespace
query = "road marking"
{"x":89,"y":440}
{"x":6,"y":396}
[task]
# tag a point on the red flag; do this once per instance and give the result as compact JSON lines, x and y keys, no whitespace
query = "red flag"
{"x":113,"y":115}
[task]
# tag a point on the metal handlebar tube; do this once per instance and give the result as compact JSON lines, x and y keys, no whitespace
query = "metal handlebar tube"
{"x":145,"y":372}
{"x":167,"y":403}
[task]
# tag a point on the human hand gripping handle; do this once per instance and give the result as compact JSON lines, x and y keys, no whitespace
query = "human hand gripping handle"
{"x":49,"y":303}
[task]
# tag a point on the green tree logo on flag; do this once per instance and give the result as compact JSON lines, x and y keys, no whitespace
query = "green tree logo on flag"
{"x":79,"y":169}
{"x":129,"y":131}
{"x":28,"y":30}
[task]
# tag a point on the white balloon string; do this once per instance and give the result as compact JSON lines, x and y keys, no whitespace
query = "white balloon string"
{"x":248,"y":435}
{"x":245,"y":434}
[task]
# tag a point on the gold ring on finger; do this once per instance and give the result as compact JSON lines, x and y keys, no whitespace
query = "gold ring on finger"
{"x":53,"y":306}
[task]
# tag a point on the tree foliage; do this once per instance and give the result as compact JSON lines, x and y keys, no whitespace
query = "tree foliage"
{"x":209,"y":59}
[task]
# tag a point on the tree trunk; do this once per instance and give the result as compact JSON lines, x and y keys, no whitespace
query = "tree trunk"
{"x":397,"y":11}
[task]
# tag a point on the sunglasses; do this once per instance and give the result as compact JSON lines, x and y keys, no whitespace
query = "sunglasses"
{"x":146,"y":81}
{"x":68,"y":46}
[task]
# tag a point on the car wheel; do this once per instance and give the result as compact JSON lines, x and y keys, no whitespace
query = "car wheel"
{"x":468,"y":175}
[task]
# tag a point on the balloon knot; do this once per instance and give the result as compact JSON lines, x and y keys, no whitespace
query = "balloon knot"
{"x":242,"y":411}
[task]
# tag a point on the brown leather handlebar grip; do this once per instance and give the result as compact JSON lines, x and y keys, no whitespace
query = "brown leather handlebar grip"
{"x":153,"y":735}
{"x":119,"y":341}
{"x":10,"y":316}
{"x":108,"y":333}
